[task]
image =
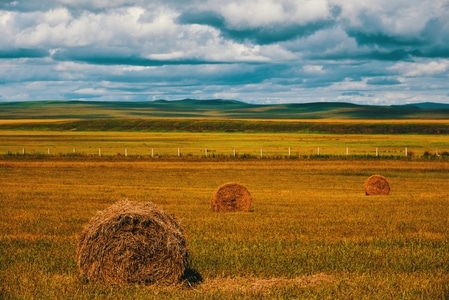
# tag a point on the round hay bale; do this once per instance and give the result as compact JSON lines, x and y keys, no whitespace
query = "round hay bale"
{"x":132,"y":242}
{"x":376,"y":185}
{"x":231,"y":197}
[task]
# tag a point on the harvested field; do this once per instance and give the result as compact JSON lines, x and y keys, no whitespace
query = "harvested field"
{"x":312,"y":234}
{"x":263,"y":286}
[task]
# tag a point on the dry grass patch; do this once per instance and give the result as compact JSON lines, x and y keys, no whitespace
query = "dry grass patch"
{"x":255,"y":285}
{"x":132,"y":242}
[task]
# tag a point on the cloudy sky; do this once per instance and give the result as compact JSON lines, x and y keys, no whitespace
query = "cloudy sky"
{"x":259,"y":51}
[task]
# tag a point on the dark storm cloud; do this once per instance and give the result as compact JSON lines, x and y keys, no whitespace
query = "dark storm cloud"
{"x":383,"y":81}
{"x":114,"y":57}
{"x":209,"y":18}
{"x":22,"y":53}
{"x":178,"y":75}
{"x":435,"y":37}
{"x":375,"y":33}
{"x":80,"y":96}
{"x":372,"y":32}
{"x":367,"y":54}
{"x":275,"y":34}
{"x":263,"y":35}
{"x":352,"y":93}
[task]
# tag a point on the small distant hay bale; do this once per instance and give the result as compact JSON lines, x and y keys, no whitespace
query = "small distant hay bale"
{"x":231,"y":197}
{"x":132,"y":243}
{"x":376,"y":185}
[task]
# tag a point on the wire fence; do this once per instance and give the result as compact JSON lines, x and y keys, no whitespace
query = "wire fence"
{"x":235,"y":152}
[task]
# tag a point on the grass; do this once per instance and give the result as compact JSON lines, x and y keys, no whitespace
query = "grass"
{"x":217,"y":108}
{"x":210,"y":124}
{"x":193,"y":144}
{"x":313,"y":233}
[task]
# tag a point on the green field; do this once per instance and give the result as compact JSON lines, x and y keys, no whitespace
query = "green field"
{"x":157,"y":145}
{"x":312,"y":234}
{"x":218,"y":108}
{"x":151,"y":145}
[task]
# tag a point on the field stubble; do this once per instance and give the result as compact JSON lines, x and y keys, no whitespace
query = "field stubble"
{"x":312,"y":233}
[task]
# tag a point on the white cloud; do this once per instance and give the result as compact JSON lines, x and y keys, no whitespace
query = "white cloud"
{"x":276,"y":53}
{"x":58,"y":27}
{"x":252,"y":13}
{"x":348,"y":85}
{"x":260,"y":13}
{"x":5,"y":17}
{"x":55,"y":17}
{"x":412,"y":69}
{"x":99,"y":4}
{"x":310,"y":10}
{"x":406,"y":18}
{"x":226,"y":95}
{"x":313,"y":69}
{"x":136,"y":68}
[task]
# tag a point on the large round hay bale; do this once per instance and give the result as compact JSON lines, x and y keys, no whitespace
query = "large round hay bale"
{"x":376,"y":185}
{"x":132,"y":242}
{"x":231,"y":197}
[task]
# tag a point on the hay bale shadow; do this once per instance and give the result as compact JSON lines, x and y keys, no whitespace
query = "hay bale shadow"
{"x":132,"y":243}
{"x":231,"y":197}
{"x":192,"y":277}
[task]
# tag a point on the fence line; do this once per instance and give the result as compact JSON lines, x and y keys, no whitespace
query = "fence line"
{"x":264,"y":152}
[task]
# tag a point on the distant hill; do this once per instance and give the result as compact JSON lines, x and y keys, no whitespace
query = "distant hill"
{"x":218,"y":109}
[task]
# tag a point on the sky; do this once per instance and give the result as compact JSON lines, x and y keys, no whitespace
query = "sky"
{"x":382,"y":52}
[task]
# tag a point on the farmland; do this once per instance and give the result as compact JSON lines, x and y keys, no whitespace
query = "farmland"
{"x":312,"y":233}
{"x":221,"y":145}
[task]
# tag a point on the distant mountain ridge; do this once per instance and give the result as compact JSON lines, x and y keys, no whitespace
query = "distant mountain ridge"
{"x":218,"y":108}
{"x":430,"y":105}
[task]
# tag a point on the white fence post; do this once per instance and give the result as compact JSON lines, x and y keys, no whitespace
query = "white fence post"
{"x":289,"y":152}
{"x":347,"y":151}
{"x":126,"y":152}
{"x":152,"y":152}
{"x":406,"y":152}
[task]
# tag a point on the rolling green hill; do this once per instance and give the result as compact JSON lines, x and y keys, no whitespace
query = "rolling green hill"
{"x":217,"y":108}
{"x":224,"y":116}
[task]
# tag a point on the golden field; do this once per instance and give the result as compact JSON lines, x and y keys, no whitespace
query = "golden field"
{"x":312,"y":233}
